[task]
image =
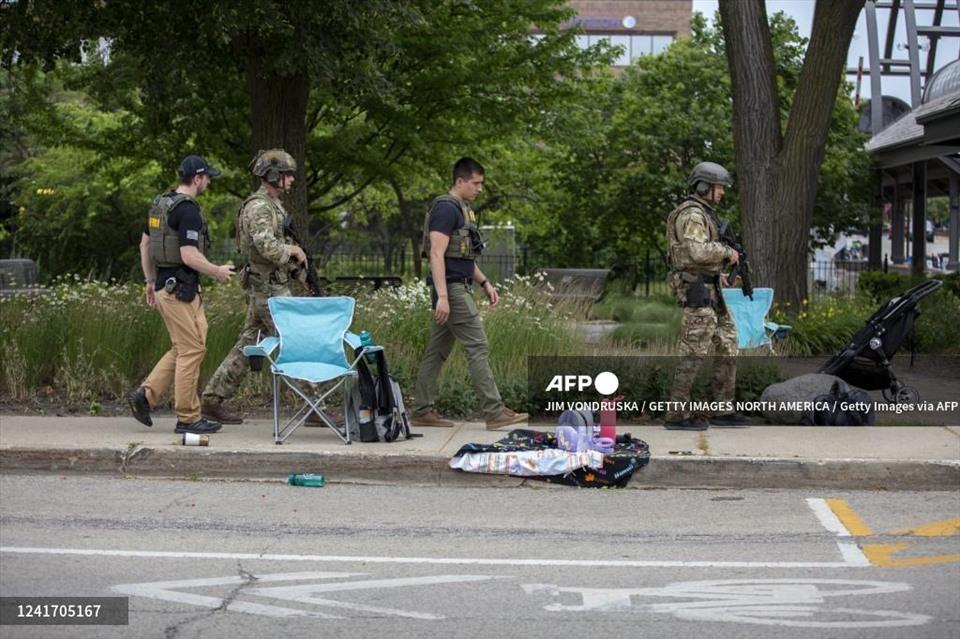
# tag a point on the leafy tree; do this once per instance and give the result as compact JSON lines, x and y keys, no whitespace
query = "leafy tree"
{"x":79,"y":209}
{"x":349,"y":88}
{"x":778,"y":166}
{"x":638,"y":136}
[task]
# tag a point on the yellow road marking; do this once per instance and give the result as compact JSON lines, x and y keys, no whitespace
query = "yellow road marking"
{"x":879,"y":555}
{"x":945,"y":528}
{"x":848,"y":518}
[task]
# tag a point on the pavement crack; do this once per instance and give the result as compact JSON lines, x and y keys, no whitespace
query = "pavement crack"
{"x":172,"y":631}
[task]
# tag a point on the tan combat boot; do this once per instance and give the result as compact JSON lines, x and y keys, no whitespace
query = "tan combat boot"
{"x":430,"y":420}
{"x":212,"y":409}
{"x":506,"y":418}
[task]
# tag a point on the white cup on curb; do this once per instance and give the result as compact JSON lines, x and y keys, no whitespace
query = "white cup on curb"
{"x":193,"y":439}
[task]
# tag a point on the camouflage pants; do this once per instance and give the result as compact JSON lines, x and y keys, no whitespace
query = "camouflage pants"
{"x":705,"y":332}
{"x":229,"y":375}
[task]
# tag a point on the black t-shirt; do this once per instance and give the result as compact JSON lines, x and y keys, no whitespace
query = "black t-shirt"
{"x":185,"y":218}
{"x":446,"y":218}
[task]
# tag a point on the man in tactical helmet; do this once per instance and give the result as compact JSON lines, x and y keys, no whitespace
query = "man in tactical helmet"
{"x":452,"y":242}
{"x":696,"y":257}
{"x":260,"y":237}
{"x":172,"y":257}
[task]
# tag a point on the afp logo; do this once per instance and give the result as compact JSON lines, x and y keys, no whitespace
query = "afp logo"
{"x":606,"y":383}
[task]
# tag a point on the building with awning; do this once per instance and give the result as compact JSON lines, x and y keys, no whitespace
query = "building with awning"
{"x":918,"y":154}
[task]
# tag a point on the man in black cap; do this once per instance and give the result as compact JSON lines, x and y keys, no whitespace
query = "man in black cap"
{"x":172,"y":257}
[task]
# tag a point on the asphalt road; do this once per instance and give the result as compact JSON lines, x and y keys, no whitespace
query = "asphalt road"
{"x":248,"y":559}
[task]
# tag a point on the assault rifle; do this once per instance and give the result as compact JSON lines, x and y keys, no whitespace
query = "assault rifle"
{"x":307,"y":273}
{"x":742,"y":267}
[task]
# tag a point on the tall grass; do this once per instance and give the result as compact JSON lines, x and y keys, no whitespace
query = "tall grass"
{"x":526,"y":322}
{"x":92,"y":341}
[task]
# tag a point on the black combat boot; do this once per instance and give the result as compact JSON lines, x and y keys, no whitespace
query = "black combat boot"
{"x":200,"y":427}
{"x":690,"y":423}
{"x":730,"y":420}
{"x":139,"y":406}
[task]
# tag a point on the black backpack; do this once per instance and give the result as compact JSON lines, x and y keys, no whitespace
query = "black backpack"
{"x":376,"y":402}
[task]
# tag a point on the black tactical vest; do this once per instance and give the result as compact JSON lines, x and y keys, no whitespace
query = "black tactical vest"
{"x":165,"y":241}
{"x":465,"y":242}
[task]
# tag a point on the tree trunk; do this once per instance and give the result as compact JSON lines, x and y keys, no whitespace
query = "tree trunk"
{"x":777,"y":174}
{"x":411,"y":216}
{"x":278,"y":113}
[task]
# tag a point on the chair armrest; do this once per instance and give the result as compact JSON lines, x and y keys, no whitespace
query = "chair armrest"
{"x":266,"y":346}
{"x":777,"y":331}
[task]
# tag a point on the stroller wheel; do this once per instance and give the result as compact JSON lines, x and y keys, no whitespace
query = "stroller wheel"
{"x":907,"y":395}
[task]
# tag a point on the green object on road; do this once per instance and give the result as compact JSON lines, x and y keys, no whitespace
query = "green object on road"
{"x":306,"y":479}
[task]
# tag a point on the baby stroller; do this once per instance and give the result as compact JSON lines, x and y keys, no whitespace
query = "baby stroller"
{"x":865,"y":361}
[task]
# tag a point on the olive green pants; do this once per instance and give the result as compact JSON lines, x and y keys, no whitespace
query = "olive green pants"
{"x":463,"y":326}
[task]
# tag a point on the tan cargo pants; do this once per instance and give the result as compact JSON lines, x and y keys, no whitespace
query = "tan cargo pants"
{"x":180,"y":366}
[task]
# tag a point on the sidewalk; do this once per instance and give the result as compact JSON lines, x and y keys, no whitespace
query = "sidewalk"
{"x":901,"y":458}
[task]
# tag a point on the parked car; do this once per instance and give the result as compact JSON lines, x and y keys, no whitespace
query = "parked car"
{"x":928,"y":231}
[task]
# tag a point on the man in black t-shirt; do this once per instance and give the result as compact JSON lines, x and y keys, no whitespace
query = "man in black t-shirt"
{"x":451,"y":241}
{"x":172,"y":257}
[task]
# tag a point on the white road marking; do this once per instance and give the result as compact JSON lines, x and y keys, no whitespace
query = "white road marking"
{"x":850,"y":551}
{"x":164,"y":590}
{"x":445,"y":561}
{"x":853,"y":555}
{"x":772,"y":602}
{"x":827,"y":518}
{"x":172,"y":591}
{"x":308,"y":593}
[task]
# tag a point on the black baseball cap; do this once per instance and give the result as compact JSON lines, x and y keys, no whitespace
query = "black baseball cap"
{"x":196,"y":165}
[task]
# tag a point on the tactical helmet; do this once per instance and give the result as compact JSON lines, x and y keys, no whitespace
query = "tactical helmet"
{"x":272,"y":163}
{"x":710,"y":173}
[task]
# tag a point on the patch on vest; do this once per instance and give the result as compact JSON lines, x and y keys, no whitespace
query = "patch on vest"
{"x":154,"y":222}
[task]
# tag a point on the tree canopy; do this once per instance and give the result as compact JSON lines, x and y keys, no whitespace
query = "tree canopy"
{"x":382,"y":97}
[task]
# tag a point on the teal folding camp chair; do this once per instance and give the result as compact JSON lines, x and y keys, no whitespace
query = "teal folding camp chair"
{"x":750,"y":316}
{"x":309,"y":350}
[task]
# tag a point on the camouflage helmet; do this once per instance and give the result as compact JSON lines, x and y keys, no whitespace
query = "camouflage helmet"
{"x":709,"y":173}
{"x":272,"y":163}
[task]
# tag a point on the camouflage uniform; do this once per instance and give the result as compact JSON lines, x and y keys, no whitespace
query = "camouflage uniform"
{"x":695,"y":253}
{"x":260,"y":237}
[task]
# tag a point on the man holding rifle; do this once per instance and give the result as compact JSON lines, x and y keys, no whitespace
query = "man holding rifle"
{"x":696,"y":254}
{"x":262,"y":239}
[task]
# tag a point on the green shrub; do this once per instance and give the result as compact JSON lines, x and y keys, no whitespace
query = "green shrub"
{"x":938,"y":326}
{"x":825,"y":325}
{"x":951,"y":284}
{"x":880,"y":286}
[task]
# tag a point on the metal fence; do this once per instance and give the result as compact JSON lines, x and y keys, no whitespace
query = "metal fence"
{"x":646,"y":276}
{"x":838,"y":277}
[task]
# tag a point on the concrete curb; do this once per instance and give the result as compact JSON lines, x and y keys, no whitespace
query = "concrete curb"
{"x":432,"y":469}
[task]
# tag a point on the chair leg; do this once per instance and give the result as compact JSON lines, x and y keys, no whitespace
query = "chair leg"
{"x":276,"y":411}
{"x":347,"y":389}
{"x":312,"y":405}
